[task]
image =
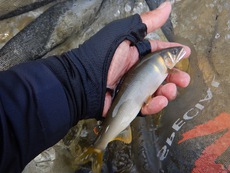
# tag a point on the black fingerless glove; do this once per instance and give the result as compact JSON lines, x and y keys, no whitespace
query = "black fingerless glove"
{"x":85,"y":71}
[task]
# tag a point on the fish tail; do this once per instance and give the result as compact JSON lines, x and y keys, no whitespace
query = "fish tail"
{"x":93,"y":155}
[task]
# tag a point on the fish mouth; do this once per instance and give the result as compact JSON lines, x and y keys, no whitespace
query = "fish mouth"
{"x":181,"y":54}
{"x":173,"y":55}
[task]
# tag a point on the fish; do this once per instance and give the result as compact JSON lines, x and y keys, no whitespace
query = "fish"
{"x":167,"y":28}
{"x":11,"y":8}
{"x":137,"y":87}
{"x":49,"y":30}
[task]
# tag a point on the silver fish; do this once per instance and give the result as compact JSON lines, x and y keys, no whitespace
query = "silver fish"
{"x":138,"y":85}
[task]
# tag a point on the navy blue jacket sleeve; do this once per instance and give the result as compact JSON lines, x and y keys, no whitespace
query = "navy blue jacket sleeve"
{"x":34,"y":114}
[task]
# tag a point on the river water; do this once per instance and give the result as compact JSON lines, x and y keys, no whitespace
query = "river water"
{"x":191,"y":134}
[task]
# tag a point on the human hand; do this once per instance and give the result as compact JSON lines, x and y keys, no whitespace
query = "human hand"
{"x":127,"y":55}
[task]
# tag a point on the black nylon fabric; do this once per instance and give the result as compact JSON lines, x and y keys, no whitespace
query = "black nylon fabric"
{"x":71,"y":81}
{"x":143,"y":47}
{"x":92,"y":60}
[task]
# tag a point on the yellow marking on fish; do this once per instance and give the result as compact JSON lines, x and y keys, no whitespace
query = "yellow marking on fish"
{"x":125,"y":136}
{"x":155,"y":68}
{"x":147,"y":100}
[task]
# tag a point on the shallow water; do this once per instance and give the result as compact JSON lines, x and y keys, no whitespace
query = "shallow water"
{"x":205,"y":27}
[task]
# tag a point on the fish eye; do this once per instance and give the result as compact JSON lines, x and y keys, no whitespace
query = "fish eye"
{"x":174,"y":51}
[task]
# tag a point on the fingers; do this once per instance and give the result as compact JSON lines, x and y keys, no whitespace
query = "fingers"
{"x":168,"y":90}
{"x":157,"y":45}
{"x":155,"y":105}
{"x":156,"y":18}
{"x":163,"y":95}
{"x":179,"y":78}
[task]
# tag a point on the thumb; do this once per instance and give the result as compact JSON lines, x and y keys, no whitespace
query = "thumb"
{"x":156,"y":18}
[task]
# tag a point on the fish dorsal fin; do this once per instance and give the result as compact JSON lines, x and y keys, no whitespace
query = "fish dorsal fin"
{"x":125,"y":136}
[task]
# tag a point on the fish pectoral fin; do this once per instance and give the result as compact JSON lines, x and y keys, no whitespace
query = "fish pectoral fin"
{"x":93,"y":155}
{"x":125,"y":136}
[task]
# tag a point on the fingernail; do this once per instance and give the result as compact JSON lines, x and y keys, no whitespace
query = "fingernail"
{"x":163,"y":5}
